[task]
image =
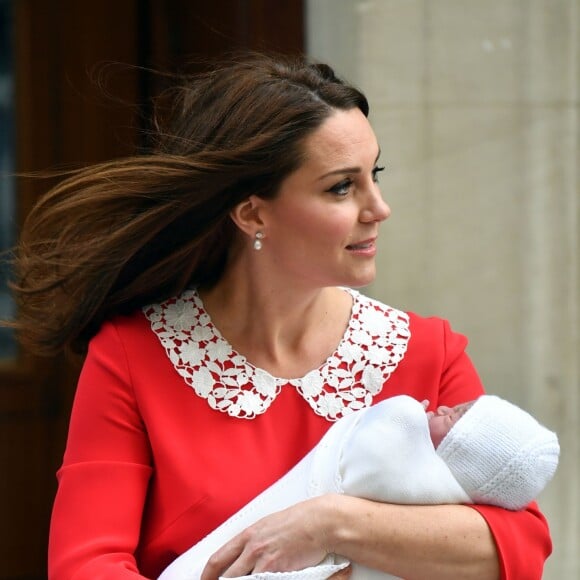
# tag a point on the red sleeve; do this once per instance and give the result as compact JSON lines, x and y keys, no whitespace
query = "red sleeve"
{"x":97,"y":513}
{"x":522,"y":538}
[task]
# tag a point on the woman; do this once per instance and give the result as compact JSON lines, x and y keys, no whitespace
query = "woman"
{"x":211,"y":281}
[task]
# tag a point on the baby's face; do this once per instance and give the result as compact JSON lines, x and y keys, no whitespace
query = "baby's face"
{"x":442,"y":420}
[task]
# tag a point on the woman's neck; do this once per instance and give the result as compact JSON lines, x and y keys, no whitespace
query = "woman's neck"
{"x":283,"y":329}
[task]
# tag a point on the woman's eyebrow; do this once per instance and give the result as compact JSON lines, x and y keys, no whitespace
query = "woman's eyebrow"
{"x":341,"y":170}
{"x":347,"y":169}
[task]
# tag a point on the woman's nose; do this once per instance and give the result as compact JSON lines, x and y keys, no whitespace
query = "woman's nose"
{"x":376,"y":208}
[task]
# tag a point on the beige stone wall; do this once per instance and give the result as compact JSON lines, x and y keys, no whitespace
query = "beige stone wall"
{"x":476,"y":106}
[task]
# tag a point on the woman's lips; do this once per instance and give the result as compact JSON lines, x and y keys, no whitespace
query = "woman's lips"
{"x":366,"y":247}
{"x":362,"y":244}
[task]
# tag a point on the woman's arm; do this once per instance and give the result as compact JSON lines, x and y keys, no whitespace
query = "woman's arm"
{"x":441,"y":541}
{"x":96,"y":520}
{"x":522,"y":539}
{"x":407,"y":541}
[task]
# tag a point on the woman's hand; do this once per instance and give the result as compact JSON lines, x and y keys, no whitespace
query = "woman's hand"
{"x":291,"y":539}
{"x":452,"y":540}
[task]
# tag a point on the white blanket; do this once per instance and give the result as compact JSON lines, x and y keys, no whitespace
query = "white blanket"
{"x":383,"y":453}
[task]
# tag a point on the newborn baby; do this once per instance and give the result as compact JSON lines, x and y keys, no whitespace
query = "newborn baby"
{"x":485,"y":451}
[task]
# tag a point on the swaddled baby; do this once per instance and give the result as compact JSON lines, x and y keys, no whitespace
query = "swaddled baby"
{"x":486,"y":451}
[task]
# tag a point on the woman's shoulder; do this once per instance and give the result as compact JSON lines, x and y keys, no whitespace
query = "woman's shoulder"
{"x":378,"y":308}
{"x":133,"y":322}
{"x":173,"y":312}
{"x":422,"y":330}
{"x":133,"y":328}
{"x":434,"y":364}
{"x":120,"y":336}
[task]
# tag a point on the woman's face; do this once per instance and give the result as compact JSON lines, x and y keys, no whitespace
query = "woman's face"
{"x":442,"y":420}
{"x":321,"y":228}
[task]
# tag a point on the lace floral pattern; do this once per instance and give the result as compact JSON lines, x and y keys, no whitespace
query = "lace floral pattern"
{"x":370,"y":350}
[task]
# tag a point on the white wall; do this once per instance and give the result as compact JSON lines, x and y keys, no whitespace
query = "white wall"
{"x":476,"y":106}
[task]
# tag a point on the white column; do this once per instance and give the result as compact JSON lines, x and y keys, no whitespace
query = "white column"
{"x":476,"y":106}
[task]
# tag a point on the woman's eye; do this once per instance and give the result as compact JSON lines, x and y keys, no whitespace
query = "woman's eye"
{"x":376,"y":172}
{"x":342,"y":187}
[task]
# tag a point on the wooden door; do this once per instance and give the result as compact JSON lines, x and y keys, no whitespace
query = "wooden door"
{"x":73,"y":108}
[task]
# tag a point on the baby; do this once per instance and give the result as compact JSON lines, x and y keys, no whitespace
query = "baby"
{"x":485,"y":451}
{"x":442,"y":420}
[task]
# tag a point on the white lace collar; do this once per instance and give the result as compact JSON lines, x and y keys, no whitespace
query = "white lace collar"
{"x":370,"y":350}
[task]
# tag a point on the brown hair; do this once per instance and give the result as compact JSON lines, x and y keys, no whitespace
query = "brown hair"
{"x":116,"y":236}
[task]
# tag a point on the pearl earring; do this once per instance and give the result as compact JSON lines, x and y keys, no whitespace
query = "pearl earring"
{"x":258,"y":241}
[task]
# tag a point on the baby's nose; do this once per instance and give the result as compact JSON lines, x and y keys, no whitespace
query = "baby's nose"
{"x":443,"y":410}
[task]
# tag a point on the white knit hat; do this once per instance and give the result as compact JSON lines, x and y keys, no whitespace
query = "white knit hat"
{"x":500,"y":454}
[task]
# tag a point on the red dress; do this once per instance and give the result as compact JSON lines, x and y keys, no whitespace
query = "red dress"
{"x":172,"y":432}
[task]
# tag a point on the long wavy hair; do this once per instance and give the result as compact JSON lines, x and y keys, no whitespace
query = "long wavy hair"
{"x":118,"y":235}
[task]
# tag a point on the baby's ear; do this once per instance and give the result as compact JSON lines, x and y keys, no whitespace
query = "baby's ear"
{"x":425,"y":403}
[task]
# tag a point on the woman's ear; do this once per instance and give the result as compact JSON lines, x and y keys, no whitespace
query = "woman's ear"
{"x":247,"y":215}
